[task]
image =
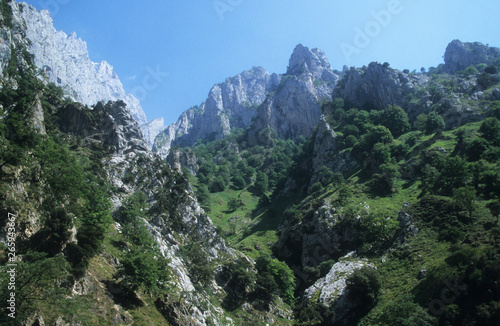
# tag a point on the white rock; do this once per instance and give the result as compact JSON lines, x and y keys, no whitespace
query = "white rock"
{"x":66,"y":62}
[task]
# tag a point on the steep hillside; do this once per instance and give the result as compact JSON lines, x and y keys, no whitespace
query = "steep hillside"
{"x":398,"y":179}
{"x":65,"y":59}
{"x":368,"y":197}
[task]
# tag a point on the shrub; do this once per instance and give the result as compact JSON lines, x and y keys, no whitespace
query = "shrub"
{"x":403,"y":311}
{"x":317,"y":186}
{"x":364,"y":285}
{"x":491,"y":70}
{"x":274,"y":272}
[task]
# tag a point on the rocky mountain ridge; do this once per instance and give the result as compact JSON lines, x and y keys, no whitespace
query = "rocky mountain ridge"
{"x":288,"y":103}
{"x":65,"y":60}
{"x":327,"y":222}
{"x":231,"y":104}
{"x":461,"y":55}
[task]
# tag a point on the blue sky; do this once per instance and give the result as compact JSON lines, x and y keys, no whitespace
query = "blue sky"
{"x":170,"y":53}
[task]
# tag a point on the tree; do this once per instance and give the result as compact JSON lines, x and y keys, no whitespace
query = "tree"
{"x":143,"y":264}
{"x":38,"y":278}
{"x":377,"y":228}
{"x":203,"y":195}
{"x":419,"y":123}
{"x":454,"y":173}
{"x":199,"y":265}
{"x":133,"y":207}
{"x":272,"y":271}
{"x":145,"y":267}
{"x":262,"y":182}
{"x":218,"y":184}
{"x":465,"y":197}
{"x":471,"y":70}
{"x":434,"y":123}
{"x":491,"y":70}
{"x":325,"y":175}
{"x":54,"y":234}
{"x":344,"y":193}
{"x":234,"y":203}
{"x":490,"y":130}
{"x":495,"y":209}
{"x":364,"y":285}
{"x":238,"y":182}
{"x":396,"y":120}
{"x":403,"y":311}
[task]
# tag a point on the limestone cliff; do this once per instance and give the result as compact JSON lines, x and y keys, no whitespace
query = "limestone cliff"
{"x":64,"y":59}
{"x":151,"y":129}
{"x":231,"y":104}
{"x":461,"y":55}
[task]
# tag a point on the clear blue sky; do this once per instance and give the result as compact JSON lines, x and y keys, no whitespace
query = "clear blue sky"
{"x":170,"y":53}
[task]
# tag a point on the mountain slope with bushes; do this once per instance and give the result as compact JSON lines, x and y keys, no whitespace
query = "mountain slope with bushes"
{"x":368,"y":197}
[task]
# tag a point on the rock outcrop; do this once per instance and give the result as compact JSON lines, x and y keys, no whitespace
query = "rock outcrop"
{"x":231,"y":104}
{"x":151,"y":129}
{"x":331,"y":290}
{"x":290,"y":104}
{"x":179,"y":158}
{"x":64,"y":59}
{"x":318,"y":236}
{"x":378,"y":86}
{"x":311,"y":62}
{"x":327,"y":152}
{"x":111,"y":124}
{"x":460,"y":55}
{"x":294,"y":109}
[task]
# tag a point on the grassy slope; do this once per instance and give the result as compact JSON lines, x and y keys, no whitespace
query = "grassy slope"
{"x":100,"y":305}
{"x":256,"y":229}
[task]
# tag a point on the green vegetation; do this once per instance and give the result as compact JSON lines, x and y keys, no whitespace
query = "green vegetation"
{"x":64,"y":185}
{"x":418,"y":202}
{"x":6,"y":12}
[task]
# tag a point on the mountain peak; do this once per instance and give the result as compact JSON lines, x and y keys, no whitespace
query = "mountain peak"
{"x":306,"y":61}
{"x":460,"y":55}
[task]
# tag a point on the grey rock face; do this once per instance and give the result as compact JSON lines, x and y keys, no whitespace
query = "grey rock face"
{"x":331,"y":290}
{"x":12,"y":38}
{"x":289,"y":104}
{"x":315,"y":62}
{"x":178,"y":159}
{"x":111,"y":124}
{"x":65,"y":60}
{"x":376,"y":87}
{"x":231,"y":104}
{"x":37,"y":119}
{"x":327,"y":153}
{"x":460,"y":55}
{"x":294,"y":109}
{"x":151,"y":129}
